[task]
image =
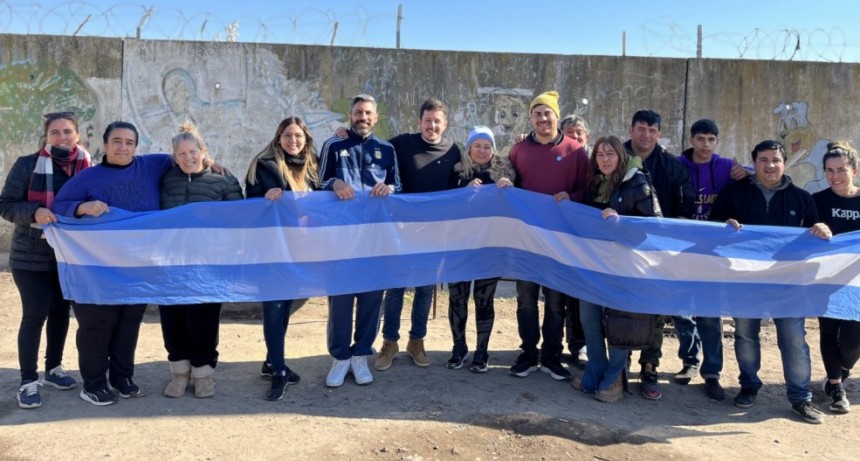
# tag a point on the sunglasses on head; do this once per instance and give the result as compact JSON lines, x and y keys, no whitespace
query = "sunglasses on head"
{"x":56,"y":115}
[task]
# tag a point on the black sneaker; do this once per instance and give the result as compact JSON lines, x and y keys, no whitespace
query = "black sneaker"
{"x":292,"y":377}
{"x":458,"y":359}
{"x":266,"y":370}
{"x":746,"y":398}
{"x":525,"y":364}
{"x":126,"y":388}
{"x":840,"y":400}
{"x":714,"y":390}
{"x":278,"y":389}
{"x":479,"y":362}
{"x":555,"y":369}
{"x":828,"y":387}
{"x":808,"y":412}
{"x":686,"y":374}
{"x":101,"y":397}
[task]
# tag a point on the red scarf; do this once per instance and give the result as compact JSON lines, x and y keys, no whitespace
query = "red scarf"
{"x":41,"y":189}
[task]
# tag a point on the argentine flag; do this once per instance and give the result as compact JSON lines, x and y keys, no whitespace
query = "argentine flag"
{"x":315,"y":245}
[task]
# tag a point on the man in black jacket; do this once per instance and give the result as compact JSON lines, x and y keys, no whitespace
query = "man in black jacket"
{"x":675,"y":194}
{"x":769,"y":198}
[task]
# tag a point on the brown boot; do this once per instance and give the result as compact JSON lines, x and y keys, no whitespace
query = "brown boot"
{"x":181,"y":371}
{"x":415,"y":348}
{"x":386,"y":355}
{"x":203,"y":384}
{"x":614,"y":392}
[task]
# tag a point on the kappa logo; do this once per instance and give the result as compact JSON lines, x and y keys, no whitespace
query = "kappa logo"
{"x":344,"y":153}
{"x":850,"y":215}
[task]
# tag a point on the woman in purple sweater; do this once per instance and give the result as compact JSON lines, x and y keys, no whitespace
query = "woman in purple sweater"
{"x":107,"y":334}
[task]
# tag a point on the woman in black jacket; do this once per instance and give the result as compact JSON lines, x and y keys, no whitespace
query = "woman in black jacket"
{"x":190,"y":331}
{"x":25,"y":201}
{"x":478,"y":165}
{"x":288,"y":163}
{"x":618,"y":186}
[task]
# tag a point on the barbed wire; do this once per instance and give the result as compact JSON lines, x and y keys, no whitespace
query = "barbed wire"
{"x":306,"y":26}
{"x":788,"y":44}
{"x":314,"y":26}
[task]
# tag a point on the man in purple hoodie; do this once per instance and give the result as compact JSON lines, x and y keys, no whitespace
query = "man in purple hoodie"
{"x":709,"y":173}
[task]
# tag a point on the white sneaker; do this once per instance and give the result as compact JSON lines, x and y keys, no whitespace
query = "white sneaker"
{"x":339,"y":369}
{"x":360,"y":370}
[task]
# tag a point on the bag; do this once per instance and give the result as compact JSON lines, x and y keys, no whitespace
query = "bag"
{"x":628,"y":330}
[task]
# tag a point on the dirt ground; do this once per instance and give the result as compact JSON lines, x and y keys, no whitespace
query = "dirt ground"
{"x":408,"y":413}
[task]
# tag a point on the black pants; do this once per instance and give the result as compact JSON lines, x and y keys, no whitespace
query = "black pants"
{"x":840,"y":345}
{"x":107,"y":339}
{"x":528,"y":319}
{"x":573,"y":326}
{"x":485,"y":313}
{"x":41,"y":300}
{"x":190,"y":332}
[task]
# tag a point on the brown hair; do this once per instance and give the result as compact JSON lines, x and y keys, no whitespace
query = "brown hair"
{"x":618,"y":175}
{"x":300,"y":177}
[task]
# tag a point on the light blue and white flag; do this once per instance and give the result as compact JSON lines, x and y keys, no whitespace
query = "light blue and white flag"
{"x":314,"y":245}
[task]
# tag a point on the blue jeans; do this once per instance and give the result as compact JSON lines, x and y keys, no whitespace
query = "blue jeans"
{"x":791,"y":340}
{"x":276,"y":319}
{"x":689,"y":342}
{"x":393,"y":306}
{"x":600,"y":372}
{"x":701,"y":334}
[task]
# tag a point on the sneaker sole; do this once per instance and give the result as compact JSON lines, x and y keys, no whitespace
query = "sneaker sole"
{"x":59,"y":386}
{"x":840,"y":410}
{"x":555,"y":376}
{"x":279,"y":397}
{"x":809,"y":420}
{"x":458,"y":365}
{"x":525,"y":373}
{"x":85,"y":397}
{"x":475,"y":369}
{"x":744,"y":406}
{"x":39,"y":404}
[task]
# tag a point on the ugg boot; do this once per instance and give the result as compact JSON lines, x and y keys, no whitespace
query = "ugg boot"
{"x":203,"y":384}
{"x":181,"y":371}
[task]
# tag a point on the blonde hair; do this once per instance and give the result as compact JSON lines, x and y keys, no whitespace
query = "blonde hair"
{"x":188,"y":132}
{"x":303,"y":177}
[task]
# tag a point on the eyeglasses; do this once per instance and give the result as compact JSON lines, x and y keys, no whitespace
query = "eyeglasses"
{"x":56,"y":115}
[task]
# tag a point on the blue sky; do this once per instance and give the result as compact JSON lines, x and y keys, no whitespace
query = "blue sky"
{"x":825,"y":30}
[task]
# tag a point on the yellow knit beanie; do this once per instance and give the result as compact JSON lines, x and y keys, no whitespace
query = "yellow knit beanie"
{"x":549,"y":99}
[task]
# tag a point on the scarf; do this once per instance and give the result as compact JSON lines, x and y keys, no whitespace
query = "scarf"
{"x":41,"y":189}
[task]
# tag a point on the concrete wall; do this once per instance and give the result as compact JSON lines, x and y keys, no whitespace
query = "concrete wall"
{"x":238,"y":92}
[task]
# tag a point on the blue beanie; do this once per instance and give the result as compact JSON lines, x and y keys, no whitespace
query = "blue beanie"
{"x":481,"y":132}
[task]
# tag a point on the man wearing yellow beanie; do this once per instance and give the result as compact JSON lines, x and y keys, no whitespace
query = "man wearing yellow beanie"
{"x":549,"y":99}
{"x":549,"y":163}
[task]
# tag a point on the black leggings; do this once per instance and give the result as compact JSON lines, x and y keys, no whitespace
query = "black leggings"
{"x":41,"y":300}
{"x":840,"y":345}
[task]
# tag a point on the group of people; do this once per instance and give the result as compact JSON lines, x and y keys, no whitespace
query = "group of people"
{"x":633,"y":178}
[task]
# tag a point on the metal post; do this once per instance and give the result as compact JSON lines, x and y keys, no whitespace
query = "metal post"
{"x":699,"y":42}
{"x":399,"y":20}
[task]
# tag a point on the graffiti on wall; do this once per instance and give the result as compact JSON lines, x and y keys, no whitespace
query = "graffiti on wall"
{"x":236,"y":109}
{"x":29,"y":90}
{"x":804,"y":149}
